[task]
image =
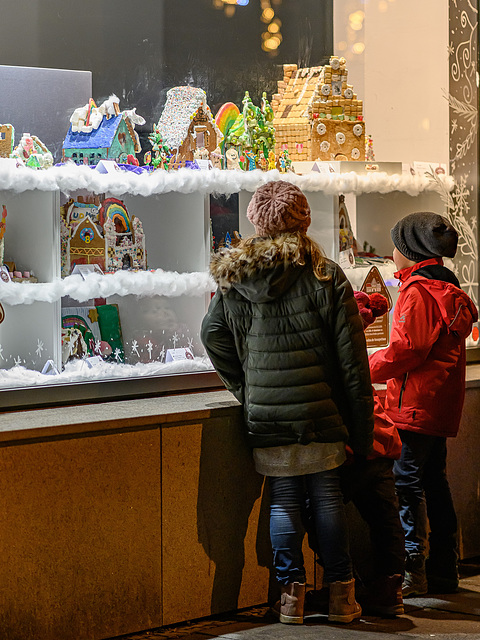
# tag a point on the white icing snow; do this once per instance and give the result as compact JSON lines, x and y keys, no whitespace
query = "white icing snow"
{"x":122,"y":283}
{"x":70,"y":177}
{"x":79,"y":371}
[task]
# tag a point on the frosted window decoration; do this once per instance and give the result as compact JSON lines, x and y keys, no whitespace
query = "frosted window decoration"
{"x":357,"y":129}
{"x":321,"y":129}
{"x":325,"y":89}
{"x":348,"y":94}
{"x":324,"y":146}
{"x":335,"y":63}
{"x":337,"y":88}
{"x":340,"y":137}
{"x":355,"y":153}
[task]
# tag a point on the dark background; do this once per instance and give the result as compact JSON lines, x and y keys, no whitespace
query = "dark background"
{"x":140,"y":49}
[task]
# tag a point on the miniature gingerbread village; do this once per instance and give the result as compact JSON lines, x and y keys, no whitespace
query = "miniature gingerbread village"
{"x":186,"y":129}
{"x":318,"y":115}
{"x":102,"y":133}
{"x":101,"y":232}
{"x":315,"y":115}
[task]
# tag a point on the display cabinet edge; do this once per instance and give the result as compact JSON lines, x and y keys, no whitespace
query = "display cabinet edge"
{"x":107,"y":390}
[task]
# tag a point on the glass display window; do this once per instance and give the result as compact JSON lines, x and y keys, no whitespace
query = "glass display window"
{"x":105,"y":272}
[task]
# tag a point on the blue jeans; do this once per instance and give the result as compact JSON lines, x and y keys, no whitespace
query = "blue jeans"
{"x":287,"y":503}
{"x":423,"y":492}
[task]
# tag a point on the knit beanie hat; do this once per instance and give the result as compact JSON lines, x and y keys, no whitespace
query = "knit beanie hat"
{"x":370,"y":306}
{"x":424,"y":235}
{"x":279,"y":207}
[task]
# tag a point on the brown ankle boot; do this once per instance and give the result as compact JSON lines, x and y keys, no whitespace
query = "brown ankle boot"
{"x":384,"y":597}
{"x":342,"y":606}
{"x":290,"y":606}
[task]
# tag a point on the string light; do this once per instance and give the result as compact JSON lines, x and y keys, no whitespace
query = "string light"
{"x":271,"y":38}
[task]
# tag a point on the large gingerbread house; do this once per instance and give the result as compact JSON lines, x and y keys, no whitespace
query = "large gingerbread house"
{"x":102,"y":233}
{"x":317,"y":114}
{"x":187,"y":126}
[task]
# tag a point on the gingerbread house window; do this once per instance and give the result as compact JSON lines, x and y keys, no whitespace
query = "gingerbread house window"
{"x":122,"y":138}
{"x":201,"y":137}
{"x":3,"y":135}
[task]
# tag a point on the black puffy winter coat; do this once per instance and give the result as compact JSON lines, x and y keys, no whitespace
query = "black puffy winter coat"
{"x":290,"y":347}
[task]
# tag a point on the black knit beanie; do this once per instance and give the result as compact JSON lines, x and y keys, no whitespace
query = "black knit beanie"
{"x":420,"y":236}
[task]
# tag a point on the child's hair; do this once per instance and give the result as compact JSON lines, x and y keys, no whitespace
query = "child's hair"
{"x":317,"y":256}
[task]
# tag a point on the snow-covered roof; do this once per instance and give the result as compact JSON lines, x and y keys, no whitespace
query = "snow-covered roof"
{"x":98,"y":138}
{"x":182,"y":104}
{"x":95,"y":127}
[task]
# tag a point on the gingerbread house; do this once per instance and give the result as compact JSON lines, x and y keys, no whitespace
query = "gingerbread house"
{"x":102,"y":133}
{"x":7,"y":134}
{"x":317,"y":114}
{"x":31,"y":152}
{"x":187,"y":126}
{"x":102,"y":233}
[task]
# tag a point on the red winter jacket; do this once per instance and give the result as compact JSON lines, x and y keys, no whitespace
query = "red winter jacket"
{"x":386,"y":441}
{"x":424,"y":365}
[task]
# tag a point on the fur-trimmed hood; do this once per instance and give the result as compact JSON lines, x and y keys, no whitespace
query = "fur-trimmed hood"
{"x":260,"y":268}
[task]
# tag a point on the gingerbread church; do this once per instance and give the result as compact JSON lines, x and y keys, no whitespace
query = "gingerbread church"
{"x":317,"y":114}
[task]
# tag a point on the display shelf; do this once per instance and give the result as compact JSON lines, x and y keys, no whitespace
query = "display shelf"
{"x":160,"y":308}
{"x":70,"y":178}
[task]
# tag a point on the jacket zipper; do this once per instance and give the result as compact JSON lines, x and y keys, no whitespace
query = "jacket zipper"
{"x":402,"y":389}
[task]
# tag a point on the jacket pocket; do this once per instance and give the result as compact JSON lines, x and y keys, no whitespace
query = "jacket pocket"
{"x":402,"y":391}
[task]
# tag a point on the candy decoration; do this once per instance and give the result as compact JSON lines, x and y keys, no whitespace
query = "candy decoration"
{"x":357,"y":129}
{"x":226,"y":116}
{"x":113,"y":209}
{"x":3,"y":222}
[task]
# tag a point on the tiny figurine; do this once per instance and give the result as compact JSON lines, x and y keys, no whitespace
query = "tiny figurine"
{"x":272,"y":163}
{"x":251,"y":158}
{"x":369,"y":152}
{"x":216,"y":158}
{"x":232,"y":159}
{"x":285,"y":164}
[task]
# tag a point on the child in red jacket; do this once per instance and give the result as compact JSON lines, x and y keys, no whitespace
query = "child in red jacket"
{"x":424,"y":368}
{"x":369,"y":484}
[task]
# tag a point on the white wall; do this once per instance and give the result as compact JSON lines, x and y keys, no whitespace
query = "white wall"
{"x":405,"y":75}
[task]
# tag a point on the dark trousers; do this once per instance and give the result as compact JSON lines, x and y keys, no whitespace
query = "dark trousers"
{"x":422,"y":489}
{"x":371,"y":488}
